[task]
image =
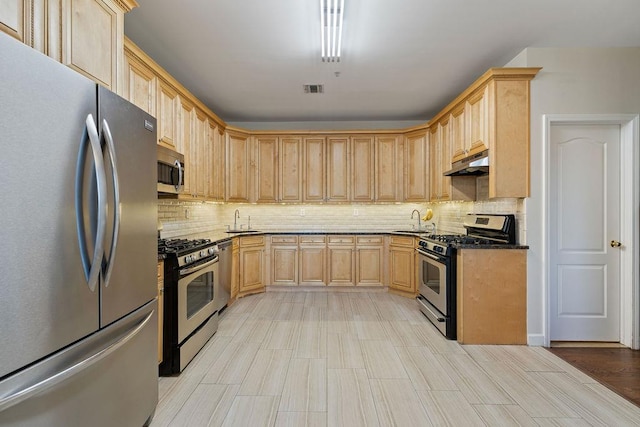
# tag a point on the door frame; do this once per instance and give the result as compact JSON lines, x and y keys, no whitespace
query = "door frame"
{"x":629,"y":218}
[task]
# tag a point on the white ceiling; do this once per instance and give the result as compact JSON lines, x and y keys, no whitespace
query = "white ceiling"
{"x":402,"y":60}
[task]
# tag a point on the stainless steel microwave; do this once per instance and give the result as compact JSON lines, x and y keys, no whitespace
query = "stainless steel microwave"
{"x":170,"y":171}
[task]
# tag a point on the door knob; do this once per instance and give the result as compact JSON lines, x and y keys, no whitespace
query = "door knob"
{"x":615,"y":244}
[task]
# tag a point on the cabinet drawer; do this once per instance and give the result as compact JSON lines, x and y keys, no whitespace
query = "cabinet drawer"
{"x":369,"y":240}
{"x":344,"y":240}
{"x":312,"y":239}
{"x":402,"y":241}
{"x":284,"y":239}
{"x":251,"y":241}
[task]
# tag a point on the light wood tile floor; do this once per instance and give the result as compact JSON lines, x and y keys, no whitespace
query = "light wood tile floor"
{"x":370,"y":359}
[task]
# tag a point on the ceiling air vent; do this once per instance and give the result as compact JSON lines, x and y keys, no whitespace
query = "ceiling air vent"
{"x":313,"y":88}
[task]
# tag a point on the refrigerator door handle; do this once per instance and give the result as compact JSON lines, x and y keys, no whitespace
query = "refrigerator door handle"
{"x":116,"y":201}
{"x":91,"y":267}
{"x":32,"y":389}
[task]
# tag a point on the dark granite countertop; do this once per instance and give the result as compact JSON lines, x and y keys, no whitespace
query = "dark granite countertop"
{"x":496,"y":246}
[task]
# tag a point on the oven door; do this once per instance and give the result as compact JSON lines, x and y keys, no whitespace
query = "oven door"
{"x":196,"y":288}
{"x":432,"y":280}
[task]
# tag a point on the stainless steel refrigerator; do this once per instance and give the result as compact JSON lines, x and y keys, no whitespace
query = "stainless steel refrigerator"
{"x":78,"y":317}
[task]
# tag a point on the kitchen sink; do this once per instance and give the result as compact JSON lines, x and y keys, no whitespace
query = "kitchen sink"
{"x":244,"y":231}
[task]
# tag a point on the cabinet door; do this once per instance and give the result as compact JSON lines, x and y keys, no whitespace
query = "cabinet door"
{"x":284,"y":265}
{"x":402,"y":268}
{"x":215,"y":189}
{"x":362,"y":168}
{"x":338,"y":166}
{"x":386,"y":169}
{"x":369,"y":266}
{"x":185,"y":142}
{"x":237,"y":173}
{"x":251,"y":269}
{"x":140,"y":85}
{"x":314,"y":169}
{"x":458,"y":135}
{"x":12,"y":18}
{"x":434,"y":161}
{"x":340,"y":265}
{"x":199,"y":164}
{"x":167,"y":115}
{"x":266,"y":177}
{"x":443,"y":161}
{"x":416,"y":169}
{"x":94,"y":32}
{"x":477,"y":122}
{"x":290,"y":170}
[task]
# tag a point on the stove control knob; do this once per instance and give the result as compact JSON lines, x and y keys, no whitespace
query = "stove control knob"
{"x":203,"y":253}
{"x":211,"y":251}
{"x":187,"y":258}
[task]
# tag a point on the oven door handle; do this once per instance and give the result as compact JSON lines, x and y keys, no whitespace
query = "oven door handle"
{"x":433,"y":257}
{"x":438,"y":318}
{"x":186,"y":271}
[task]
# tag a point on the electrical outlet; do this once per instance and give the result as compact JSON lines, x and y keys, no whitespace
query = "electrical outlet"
{"x":187,"y":214}
{"x":302,"y":212}
{"x":355,"y":212}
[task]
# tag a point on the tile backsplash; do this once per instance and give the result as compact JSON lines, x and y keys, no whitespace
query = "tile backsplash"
{"x":187,"y":219}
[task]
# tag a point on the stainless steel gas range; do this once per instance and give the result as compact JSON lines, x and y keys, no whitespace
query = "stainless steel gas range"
{"x":191,"y":299}
{"x":437,"y":265}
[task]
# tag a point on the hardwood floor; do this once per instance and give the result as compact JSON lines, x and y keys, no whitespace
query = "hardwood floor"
{"x":617,"y":368}
{"x":370,"y":359}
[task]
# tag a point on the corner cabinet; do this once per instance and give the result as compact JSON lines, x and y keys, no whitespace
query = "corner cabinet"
{"x":416,"y":168}
{"x":238,"y":154}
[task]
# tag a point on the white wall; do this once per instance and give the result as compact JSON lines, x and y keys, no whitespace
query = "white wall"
{"x":572,"y":81}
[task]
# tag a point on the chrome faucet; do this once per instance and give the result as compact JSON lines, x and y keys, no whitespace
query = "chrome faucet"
{"x":236,"y":215}
{"x":433,"y":230}
{"x":418,"y":212}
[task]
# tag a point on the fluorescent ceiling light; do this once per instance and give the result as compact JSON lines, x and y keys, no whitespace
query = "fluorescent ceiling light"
{"x":331,"y":18}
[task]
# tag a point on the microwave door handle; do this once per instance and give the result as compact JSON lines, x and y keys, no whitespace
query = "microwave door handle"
{"x":91,"y":267}
{"x":180,"y":175}
{"x":116,"y":201}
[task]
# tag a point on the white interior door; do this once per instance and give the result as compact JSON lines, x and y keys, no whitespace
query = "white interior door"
{"x":584,"y":228}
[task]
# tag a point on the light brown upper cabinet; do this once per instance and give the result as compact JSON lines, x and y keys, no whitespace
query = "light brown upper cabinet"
{"x":198,"y":153}
{"x":338,"y":169}
{"x":13,"y":18}
{"x":278,"y":176}
{"x":93,"y":41}
{"x":167,"y":114}
{"x":416,"y":167}
{"x":435,"y":174}
{"x":388,"y":168}
{"x":216,"y":162}
{"x":266,"y":162}
{"x":440,"y":159}
{"x":290,"y":170}
{"x":185,"y":142}
{"x":476,"y":135}
{"x":237,"y":174}
{"x":362,"y":168}
{"x":314,"y":166}
{"x":139,"y":83}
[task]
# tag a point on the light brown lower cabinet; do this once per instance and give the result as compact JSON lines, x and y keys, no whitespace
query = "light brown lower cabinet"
{"x":284,"y":260}
{"x":251,"y":265}
{"x":235,"y":269}
{"x":370,"y":261}
{"x":402,"y":266}
{"x":160,"y":307}
{"x":313,"y":260}
{"x":492,"y":299}
{"x":340,"y":261}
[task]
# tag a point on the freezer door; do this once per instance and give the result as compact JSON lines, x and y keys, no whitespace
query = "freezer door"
{"x":130,"y":266}
{"x":109,"y":379}
{"x":45,"y":300}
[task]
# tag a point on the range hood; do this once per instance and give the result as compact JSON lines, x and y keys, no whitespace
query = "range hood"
{"x":474,"y":165}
